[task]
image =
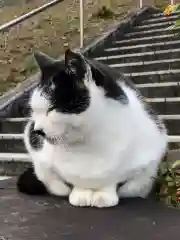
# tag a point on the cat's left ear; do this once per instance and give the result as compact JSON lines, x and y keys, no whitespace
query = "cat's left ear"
{"x":74,"y":62}
{"x":46,"y":63}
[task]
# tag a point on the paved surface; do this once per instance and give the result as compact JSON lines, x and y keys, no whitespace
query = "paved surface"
{"x":33,"y":218}
{"x":4,"y":178}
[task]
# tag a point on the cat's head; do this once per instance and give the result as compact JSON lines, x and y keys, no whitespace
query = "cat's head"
{"x":61,"y":93}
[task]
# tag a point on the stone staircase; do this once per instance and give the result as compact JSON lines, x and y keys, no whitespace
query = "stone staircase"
{"x":149,"y":53}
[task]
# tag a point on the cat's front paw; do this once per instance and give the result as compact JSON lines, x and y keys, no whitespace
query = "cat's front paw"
{"x":58,"y":188}
{"x":80,"y":197}
{"x":104,"y":199}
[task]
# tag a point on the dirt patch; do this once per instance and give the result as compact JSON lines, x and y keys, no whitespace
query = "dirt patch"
{"x":50,"y":32}
{"x":162,"y":4}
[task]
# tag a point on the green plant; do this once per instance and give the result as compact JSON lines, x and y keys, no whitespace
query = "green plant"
{"x":104,"y":12}
{"x":29,"y":64}
{"x":161,"y":4}
{"x":169,"y":183}
{"x":173,"y":9}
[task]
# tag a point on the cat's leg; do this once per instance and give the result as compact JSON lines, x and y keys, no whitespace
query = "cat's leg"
{"x":51,"y":180}
{"x":81,"y":197}
{"x":58,"y":187}
{"x":139,"y":186}
{"x":105,"y":197}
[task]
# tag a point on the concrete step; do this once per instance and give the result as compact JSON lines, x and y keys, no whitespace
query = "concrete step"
{"x":173,"y":127}
{"x":165,"y":105}
{"x":169,"y":117}
{"x":161,"y":15}
{"x":145,"y":40}
{"x":138,"y":57}
{"x":169,"y":89}
{"x":13,"y":125}
{"x":161,"y":19}
{"x":15,"y":136}
{"x":12,"y":145}
{"x":174,"y":146}
{"x":174,"y":139}
{"x":15,"y":142}
{"x":139,"y":48}
{"x":155,"y":76}
{"x":2,"y":178}
{"x":151,"y":32}
{"x":151,"y":25}
{"x":10,"y":157}
{"x":13,"y":168}
{"x":148,"y":65}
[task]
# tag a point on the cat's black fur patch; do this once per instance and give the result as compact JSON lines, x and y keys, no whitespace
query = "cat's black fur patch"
{"x":35,"y":138}
{"x":107,"y":78}
{"x":28,"y":183}
{"x":63,"y":84}
{"x":69,"y":96}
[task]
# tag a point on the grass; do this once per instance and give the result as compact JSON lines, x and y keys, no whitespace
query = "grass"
{"x":168,"y":183}
{"x":103,"y":12}
{"x":51,"y":31}
{"x":161,"y":4}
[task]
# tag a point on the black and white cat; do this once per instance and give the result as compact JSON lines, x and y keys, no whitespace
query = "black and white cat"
{"x":94,"y":131}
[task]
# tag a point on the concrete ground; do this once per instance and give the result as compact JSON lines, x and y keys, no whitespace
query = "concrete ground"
{"x":40,"y":218}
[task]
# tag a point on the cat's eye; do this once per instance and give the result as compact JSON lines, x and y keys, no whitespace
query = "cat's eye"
{"x":71,"y":71}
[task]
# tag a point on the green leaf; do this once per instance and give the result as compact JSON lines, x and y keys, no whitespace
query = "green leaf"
{"x":176,"y":164}
{"x":171,"y":27}
{"x":177,"y":8}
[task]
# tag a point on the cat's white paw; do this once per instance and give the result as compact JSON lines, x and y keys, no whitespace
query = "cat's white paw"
{"x":104,"y":199}
{"x":80,"y":197}
{"x":58,"y":188}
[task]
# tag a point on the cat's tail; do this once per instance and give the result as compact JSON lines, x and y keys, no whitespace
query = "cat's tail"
{"x":28,"y":183}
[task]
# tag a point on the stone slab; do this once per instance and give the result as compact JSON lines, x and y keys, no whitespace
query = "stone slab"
{"x":38,"y":218}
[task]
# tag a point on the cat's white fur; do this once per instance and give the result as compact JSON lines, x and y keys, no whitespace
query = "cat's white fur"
{"x":107,"y":144}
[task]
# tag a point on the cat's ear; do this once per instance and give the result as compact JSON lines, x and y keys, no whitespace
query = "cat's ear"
{"x":74,"y":62}
{"x":71,"y":56}
{"x":46,"y":62}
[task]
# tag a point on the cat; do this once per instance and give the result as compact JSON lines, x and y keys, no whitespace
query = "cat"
{"x":93,"y":130}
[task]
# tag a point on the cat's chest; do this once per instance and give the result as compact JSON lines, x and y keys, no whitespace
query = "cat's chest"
{"x":82,"y":165}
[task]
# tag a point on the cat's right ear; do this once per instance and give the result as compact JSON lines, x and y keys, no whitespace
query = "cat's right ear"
{"x":45,"y":62}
